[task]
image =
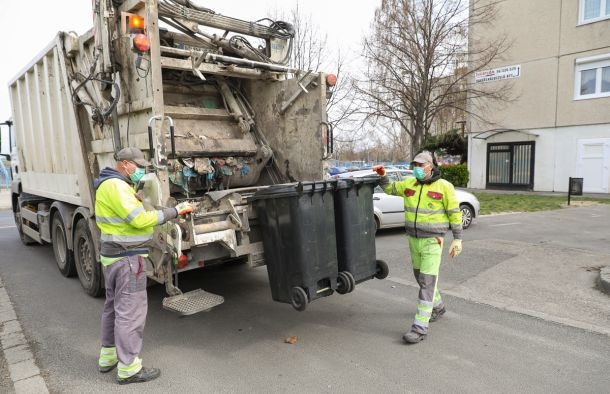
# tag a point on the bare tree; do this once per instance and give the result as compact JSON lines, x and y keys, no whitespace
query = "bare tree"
{"x":415,"y":63}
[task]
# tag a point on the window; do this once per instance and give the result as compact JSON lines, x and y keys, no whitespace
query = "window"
{"x":592,"y":79}
{"x":594,"y":10}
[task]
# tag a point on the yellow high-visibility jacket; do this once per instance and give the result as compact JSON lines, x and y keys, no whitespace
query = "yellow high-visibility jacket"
{"x":431,"y":208}
{"x":126,"y":227}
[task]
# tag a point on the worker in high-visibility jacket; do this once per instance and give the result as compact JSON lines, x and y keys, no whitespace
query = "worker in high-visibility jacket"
{"x":126,"y":232}
{"x":431,"y":209}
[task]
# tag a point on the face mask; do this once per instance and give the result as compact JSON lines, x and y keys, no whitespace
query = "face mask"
{"x":137,"y":175}
{"x":419,"y":173}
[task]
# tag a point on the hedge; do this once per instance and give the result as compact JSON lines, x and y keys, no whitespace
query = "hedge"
{"x":456,"y":174}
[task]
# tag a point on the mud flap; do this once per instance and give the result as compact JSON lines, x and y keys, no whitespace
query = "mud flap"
{"x":192,"y":302}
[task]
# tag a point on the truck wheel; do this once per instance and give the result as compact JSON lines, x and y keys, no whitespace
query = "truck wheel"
{"x":19,"y":224}
{"x":299,"y":299}
{"x":63,"y":256}
{"x":89,"y":270}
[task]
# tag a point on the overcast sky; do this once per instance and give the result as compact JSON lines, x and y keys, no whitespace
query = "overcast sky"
{"x":27,"y":26}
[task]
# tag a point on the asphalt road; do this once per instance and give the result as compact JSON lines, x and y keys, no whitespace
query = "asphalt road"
{"x":524,"y":316}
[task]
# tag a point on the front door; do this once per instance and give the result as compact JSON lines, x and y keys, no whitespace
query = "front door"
{"x":593,"y":164}
{"x":510,"y":165}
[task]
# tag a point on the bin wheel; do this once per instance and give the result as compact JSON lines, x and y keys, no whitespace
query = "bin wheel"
{"x":299,"y":298}
{"x":345,"y":282}
{"x":382,"y":270}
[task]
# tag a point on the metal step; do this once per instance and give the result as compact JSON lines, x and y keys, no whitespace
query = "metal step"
{"x":192,"y":302}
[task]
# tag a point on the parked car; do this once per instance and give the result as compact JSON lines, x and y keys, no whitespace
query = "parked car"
{"x":389,"y":210}
{"x":332,"y":171}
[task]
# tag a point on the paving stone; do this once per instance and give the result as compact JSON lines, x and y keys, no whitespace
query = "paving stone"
{"x":23,"y":370}
{"x":33,"y":385}
{"x":10,"y":327}
{"x":4,"y":298}
{"x":12,"y":340}
{"x":17,"y":354}
{"x":7,"y":315}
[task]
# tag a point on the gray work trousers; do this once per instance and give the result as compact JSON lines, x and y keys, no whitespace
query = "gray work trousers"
{"x":125,"y":309}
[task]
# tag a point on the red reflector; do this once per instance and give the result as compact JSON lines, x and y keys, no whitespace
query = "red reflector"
{"x":183,"y":261}
{"x":141,"y":42}
{"x":331,"y":79}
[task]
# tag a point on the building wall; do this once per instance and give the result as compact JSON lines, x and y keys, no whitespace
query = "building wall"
{"x":547,"y":40}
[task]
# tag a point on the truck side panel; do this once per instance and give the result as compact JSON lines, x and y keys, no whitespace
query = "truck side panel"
{"x":49,"y":149}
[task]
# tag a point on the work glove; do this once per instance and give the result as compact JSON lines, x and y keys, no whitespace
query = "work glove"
{"x":456,"y":248}
{"x":379,"y":170}
{"x":183,"y":208}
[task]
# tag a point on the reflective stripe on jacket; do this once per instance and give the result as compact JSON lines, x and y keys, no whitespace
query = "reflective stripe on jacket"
{"x":126,"y":226}
{"x":430,"y":208}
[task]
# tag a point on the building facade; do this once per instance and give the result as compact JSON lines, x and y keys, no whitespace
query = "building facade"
{"x":558,"y":125}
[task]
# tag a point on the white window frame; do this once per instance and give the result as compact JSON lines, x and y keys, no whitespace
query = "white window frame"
{"x":587,"y":63}
{"x":602,"y":13}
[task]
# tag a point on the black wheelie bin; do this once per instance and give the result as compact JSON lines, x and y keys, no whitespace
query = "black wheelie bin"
{"x":355,"y":232}
{"x":297,"y":223}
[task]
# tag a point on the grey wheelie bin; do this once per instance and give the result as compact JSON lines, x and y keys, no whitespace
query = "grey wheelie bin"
{"x":355,"y":232}
{"x":298,"y":231}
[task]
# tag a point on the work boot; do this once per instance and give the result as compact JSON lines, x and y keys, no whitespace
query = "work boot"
{"x":144,"y":375}
{"x":437,"y":313}
{"x":107,"y":368}
{"x":413,"y":337}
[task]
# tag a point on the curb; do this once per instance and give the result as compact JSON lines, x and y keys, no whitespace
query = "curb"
{"x":604,"y":279}
{"x":15,"y":349}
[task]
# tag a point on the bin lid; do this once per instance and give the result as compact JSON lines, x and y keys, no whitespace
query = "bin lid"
{"x":294,"y":189}
{"x":348,"y":183}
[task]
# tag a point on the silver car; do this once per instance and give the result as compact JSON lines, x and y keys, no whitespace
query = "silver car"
{"x":390,"y":210}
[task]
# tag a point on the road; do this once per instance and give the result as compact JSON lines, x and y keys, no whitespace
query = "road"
{"x":523,"y":316}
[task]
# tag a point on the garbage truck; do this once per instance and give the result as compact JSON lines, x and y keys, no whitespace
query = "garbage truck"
{"x":213,"y":103}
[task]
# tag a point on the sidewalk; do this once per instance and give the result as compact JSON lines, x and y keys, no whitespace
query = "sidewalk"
{"x":555,"y":194}
{"x":24,"y":375}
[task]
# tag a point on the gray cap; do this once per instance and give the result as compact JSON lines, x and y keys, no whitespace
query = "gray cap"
{"x":133,"y":154}
{"x":423,"y":158}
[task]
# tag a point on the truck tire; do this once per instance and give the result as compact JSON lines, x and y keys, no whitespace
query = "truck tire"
{"x":63,"y":256}
{"x":89,"y":270}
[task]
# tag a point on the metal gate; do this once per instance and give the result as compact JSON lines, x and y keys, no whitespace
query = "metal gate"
{"x":510,"y":165}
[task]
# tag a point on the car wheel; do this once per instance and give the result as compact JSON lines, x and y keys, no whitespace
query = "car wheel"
{"x":467,"y":215}
{"x":377,"y":224}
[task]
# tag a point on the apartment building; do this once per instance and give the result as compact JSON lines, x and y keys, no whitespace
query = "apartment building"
{"x":558,"y":126}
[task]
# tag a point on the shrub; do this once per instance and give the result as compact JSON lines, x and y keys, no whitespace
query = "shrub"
{"x":456,"y":174}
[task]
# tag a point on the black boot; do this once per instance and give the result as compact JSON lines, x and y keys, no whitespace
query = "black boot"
{"x":144,"y":375}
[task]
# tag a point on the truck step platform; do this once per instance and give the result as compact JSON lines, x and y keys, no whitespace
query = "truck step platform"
{"x":192,"y":302}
